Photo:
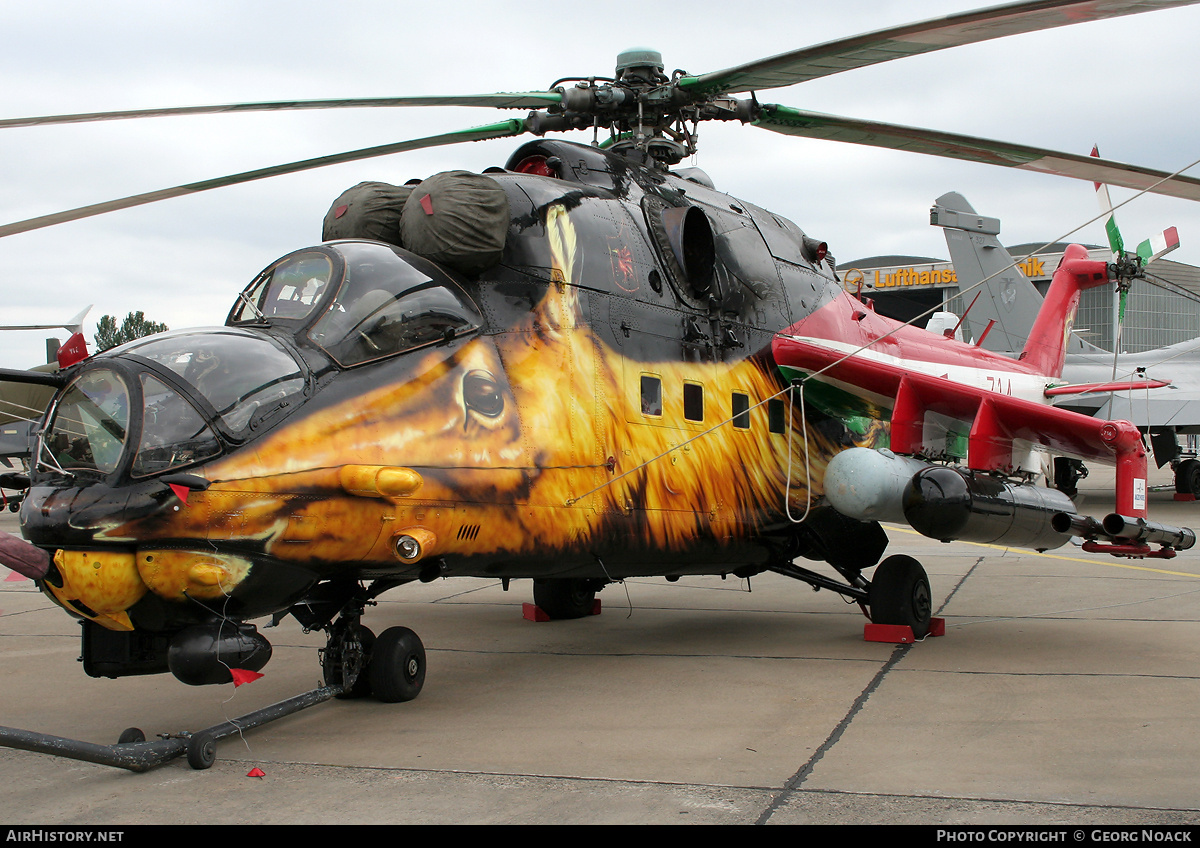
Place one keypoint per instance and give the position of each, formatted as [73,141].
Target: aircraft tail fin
[1007,301]
[1046,348]
[75,350]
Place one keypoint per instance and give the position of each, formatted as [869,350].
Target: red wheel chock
[532,612]
[900,634]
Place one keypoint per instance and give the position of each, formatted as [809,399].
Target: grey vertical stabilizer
[1008,298]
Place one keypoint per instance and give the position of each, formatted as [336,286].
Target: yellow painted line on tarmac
[1023,552]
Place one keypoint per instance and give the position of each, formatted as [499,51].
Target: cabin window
[776,420]
[741,411]
[651,395]
[693,401]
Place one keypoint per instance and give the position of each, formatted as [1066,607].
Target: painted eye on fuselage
[481,394]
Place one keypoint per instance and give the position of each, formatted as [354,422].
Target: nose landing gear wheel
[397,666]
[900,594]
[1187,477]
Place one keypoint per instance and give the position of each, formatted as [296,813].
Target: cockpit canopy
[169,401]
[237,372]
[358,301]
[172,400]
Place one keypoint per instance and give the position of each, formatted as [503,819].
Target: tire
[565,597]
[131,734]
[397,667]
[1187,478]
[201,750]
[900,594]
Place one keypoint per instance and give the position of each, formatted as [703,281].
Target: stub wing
[995,419]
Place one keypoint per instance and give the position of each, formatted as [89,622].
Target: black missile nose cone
[937,503]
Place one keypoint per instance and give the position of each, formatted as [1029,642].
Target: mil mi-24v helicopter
[580,367]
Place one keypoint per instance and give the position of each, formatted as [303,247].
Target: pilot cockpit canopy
[358,301]
[289,289]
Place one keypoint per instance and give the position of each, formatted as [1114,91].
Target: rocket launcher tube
[1149,532]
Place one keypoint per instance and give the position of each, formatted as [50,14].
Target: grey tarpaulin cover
[369,210]
[458,219]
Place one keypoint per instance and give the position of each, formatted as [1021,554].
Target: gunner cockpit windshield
[169,401]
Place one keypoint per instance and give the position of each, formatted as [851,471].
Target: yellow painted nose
[106,582]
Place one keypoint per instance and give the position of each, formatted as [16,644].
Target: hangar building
[1162,311]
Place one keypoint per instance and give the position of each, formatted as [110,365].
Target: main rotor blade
[783,119]
[912,39]
[503,129]
[518,100]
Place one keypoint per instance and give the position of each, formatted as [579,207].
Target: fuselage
[601,402]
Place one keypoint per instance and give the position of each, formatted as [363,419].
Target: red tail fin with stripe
[1047,345]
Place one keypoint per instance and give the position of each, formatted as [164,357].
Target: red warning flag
[75,350]
[181,492]
[241,675]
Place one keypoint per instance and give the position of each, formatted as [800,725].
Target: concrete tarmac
[1065,691]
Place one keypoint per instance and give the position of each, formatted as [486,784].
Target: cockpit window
[173,431]
[90,423]
[238,373]
[387,305]
[288,289]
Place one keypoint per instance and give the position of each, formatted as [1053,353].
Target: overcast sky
[1128,85]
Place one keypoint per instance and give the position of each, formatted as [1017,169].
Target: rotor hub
[640,62]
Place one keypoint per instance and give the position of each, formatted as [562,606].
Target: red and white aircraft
[874,361]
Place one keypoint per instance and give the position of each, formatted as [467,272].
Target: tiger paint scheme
[609,399]
[532,440]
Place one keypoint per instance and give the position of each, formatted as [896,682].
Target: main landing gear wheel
[900,594]
[1187,477]
[565,597]
[397,667]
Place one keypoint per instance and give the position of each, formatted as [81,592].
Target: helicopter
[586,365]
